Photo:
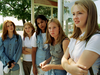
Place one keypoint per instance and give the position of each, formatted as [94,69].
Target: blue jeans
[56,72]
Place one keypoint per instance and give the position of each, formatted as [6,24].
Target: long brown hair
[31,25]
[91,23]
[61,36]
[5,31]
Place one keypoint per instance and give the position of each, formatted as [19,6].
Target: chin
[52,36]
[78,26]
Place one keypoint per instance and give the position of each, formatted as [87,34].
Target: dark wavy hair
[43,18]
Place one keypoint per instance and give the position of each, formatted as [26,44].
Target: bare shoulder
[66,40]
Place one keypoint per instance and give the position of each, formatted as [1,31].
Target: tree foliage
[18,8]
[1,26]
[45,11]
[21,9]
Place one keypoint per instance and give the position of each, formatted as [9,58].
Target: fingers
[40,64]
[44,69]
[12,65]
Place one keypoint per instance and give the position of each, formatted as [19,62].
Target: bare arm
[65,44]
[91,52]
[59,66]
[73,69]
[51,66]
[45,62]
[25,51]
[29,50]
[86,56]
[34,60]
[64,60]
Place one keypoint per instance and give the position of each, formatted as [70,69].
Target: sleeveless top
[56,53]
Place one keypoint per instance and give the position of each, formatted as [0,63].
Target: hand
[42,64]
[47,67]
[70,61]
[35,70]
[12,65]
[77,69]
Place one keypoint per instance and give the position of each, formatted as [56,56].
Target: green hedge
[1,26]
[99,25]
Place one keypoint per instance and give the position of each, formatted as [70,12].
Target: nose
[40,24]
[27,28]
[51,30]
[75,16]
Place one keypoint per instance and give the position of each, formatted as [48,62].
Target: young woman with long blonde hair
[84,48]
[27,48]
[58,42]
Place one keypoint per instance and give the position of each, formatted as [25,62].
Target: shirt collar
[12,36]
[82,34]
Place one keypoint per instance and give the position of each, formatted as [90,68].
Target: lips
[28,31]
[11,29]
[76,22]
[42,27]
[52,33]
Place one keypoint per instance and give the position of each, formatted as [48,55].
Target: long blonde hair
[91,23]
[61,36]
[5,31]
[31,25]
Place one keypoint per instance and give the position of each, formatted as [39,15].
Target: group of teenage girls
[48,51]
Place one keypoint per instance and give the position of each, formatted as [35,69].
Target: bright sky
[12,19]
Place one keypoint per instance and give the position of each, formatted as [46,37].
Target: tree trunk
[23,20]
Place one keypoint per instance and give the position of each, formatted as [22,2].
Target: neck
[10,34]
[43,31]
[55,38]
[82,30]
[55,41]
[29,35]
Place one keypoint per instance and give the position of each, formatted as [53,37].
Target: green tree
[99,25]
[45,11]
[21,9]
[1,26]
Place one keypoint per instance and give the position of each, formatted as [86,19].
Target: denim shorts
[56,72]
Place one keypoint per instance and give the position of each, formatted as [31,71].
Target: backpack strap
[90,69]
